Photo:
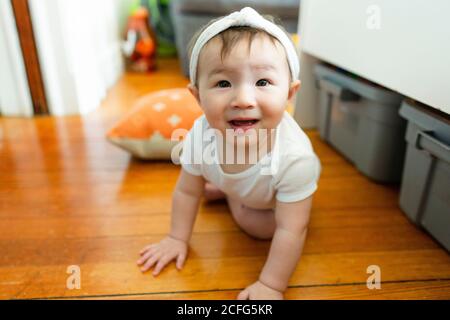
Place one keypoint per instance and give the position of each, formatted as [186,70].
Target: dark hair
[233,35]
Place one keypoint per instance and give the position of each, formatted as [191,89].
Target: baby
[244,69]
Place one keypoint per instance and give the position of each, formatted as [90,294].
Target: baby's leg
[212,192]
[257,223]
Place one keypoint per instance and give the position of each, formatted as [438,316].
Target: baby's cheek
[274,113]
[215,118]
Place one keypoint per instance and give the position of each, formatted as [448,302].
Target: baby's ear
[293,88]
[194,91]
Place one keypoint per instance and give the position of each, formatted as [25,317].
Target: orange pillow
[147,129]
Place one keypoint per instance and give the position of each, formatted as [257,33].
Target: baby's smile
[243,124]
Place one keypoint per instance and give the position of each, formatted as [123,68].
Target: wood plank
[224,273]
[333,193]
[411,290]
[205,242]
[139,217]
[321,239]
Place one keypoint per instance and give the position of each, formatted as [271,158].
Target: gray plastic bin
[425,190]
[361,121]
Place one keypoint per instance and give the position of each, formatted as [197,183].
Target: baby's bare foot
[212,193]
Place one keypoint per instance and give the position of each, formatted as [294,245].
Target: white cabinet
[403,45]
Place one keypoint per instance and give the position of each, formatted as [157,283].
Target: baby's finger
[161,264]
[146,248]
[180,260]
[150,262]
[243,295]
[145,257]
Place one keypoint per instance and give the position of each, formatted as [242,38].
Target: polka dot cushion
[147,129]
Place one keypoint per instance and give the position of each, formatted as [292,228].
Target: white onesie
[288,173]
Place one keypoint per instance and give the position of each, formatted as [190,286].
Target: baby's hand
[259,291]
[162,253]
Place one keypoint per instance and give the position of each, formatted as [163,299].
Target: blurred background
[59,57]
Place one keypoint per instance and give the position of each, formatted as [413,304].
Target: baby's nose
[244,99]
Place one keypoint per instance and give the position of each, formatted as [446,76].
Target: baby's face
[249,90]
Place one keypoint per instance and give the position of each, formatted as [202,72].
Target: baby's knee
[266,235]
[259,225]
[258,230]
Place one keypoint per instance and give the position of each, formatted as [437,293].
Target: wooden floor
[67,197]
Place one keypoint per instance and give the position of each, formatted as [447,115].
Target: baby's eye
[223,84]
[262,83]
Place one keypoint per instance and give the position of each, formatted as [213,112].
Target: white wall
[15,99]
[78,44]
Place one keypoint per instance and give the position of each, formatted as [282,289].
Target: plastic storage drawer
[425,189]
[361,121]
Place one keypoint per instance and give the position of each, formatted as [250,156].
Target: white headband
[250,18]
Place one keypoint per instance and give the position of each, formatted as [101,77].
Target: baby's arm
[287,244]
[185,202]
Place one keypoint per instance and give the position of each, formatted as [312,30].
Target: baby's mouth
[243,124]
